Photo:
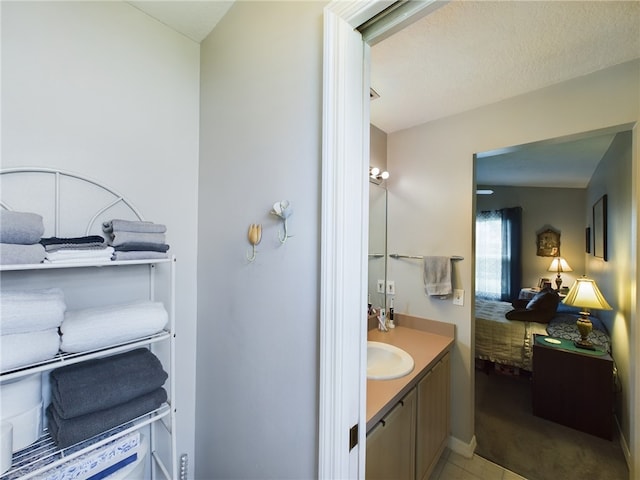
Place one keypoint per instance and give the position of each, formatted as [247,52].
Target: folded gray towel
[120,238]
[24,228]
[117,225]
[437,276]
[138,255]
[69,432]
[105,382]
[15,254]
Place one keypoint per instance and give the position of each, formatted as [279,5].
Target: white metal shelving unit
[43,455]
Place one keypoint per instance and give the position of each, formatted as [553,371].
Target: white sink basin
[385,362]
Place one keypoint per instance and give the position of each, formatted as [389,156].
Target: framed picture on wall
[600,228]
[548,243]
[587,239]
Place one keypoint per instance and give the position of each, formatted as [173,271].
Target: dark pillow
[541,308]
[545,299]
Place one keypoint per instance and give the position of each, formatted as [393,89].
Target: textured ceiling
[194,19]
[472,53]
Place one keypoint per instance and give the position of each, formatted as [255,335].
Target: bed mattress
[503,341]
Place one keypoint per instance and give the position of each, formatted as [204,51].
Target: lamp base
[584,327]
[584,345]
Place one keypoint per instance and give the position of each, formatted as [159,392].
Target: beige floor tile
[479,466]
[452,471]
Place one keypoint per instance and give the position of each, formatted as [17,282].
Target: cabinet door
[433,417]
[391,444]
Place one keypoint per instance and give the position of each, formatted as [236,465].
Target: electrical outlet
[380,287]
[458,297]
[391,287]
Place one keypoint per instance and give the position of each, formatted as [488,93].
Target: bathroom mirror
[377,243]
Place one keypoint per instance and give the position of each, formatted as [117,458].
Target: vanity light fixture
[484,191]
[376,175]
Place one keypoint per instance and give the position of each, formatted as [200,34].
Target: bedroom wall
[560,208]
[260,143]
[103,90]
[613,178]
[432,193]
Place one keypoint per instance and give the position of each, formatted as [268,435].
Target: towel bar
[420,257]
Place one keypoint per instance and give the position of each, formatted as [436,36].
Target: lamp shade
[586,294]
[559,264]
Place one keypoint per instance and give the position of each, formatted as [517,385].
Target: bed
[510,342]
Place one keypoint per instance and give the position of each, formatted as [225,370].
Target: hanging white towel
[437,276]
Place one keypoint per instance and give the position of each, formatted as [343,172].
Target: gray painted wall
[258,323]
[614,277]
[103,90]
[432,192]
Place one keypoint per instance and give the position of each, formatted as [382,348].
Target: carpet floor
[508,434]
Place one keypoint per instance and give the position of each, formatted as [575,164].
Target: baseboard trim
[462,448]
[624,445]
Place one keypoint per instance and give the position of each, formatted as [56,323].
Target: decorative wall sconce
[283,210]
[254,236]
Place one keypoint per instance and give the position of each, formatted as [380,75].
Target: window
[498,259]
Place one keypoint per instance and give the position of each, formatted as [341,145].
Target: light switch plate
[391,287]
[380,286]
[458,297]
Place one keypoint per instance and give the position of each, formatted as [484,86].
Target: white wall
[101,89]
[258,323]
[561,208]
[431,193]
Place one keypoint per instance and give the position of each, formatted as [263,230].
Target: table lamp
[585,294]
[559,265]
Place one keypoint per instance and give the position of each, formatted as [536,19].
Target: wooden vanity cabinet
[391,443]
[408,441]
[433,419]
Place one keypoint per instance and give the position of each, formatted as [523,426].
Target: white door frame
[344,236]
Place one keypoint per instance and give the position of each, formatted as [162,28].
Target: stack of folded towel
[91,397]
[20,233]
[135,239]
[29,322]
[88,249]
[99,327]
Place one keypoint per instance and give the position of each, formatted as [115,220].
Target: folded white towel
[22,349]
[31,310]
[80,255]
[437,276]
[100,327]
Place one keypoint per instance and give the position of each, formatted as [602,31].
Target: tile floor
[453,466]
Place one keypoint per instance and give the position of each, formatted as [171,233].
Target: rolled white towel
[31,310]
[22,349]
[99,327]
